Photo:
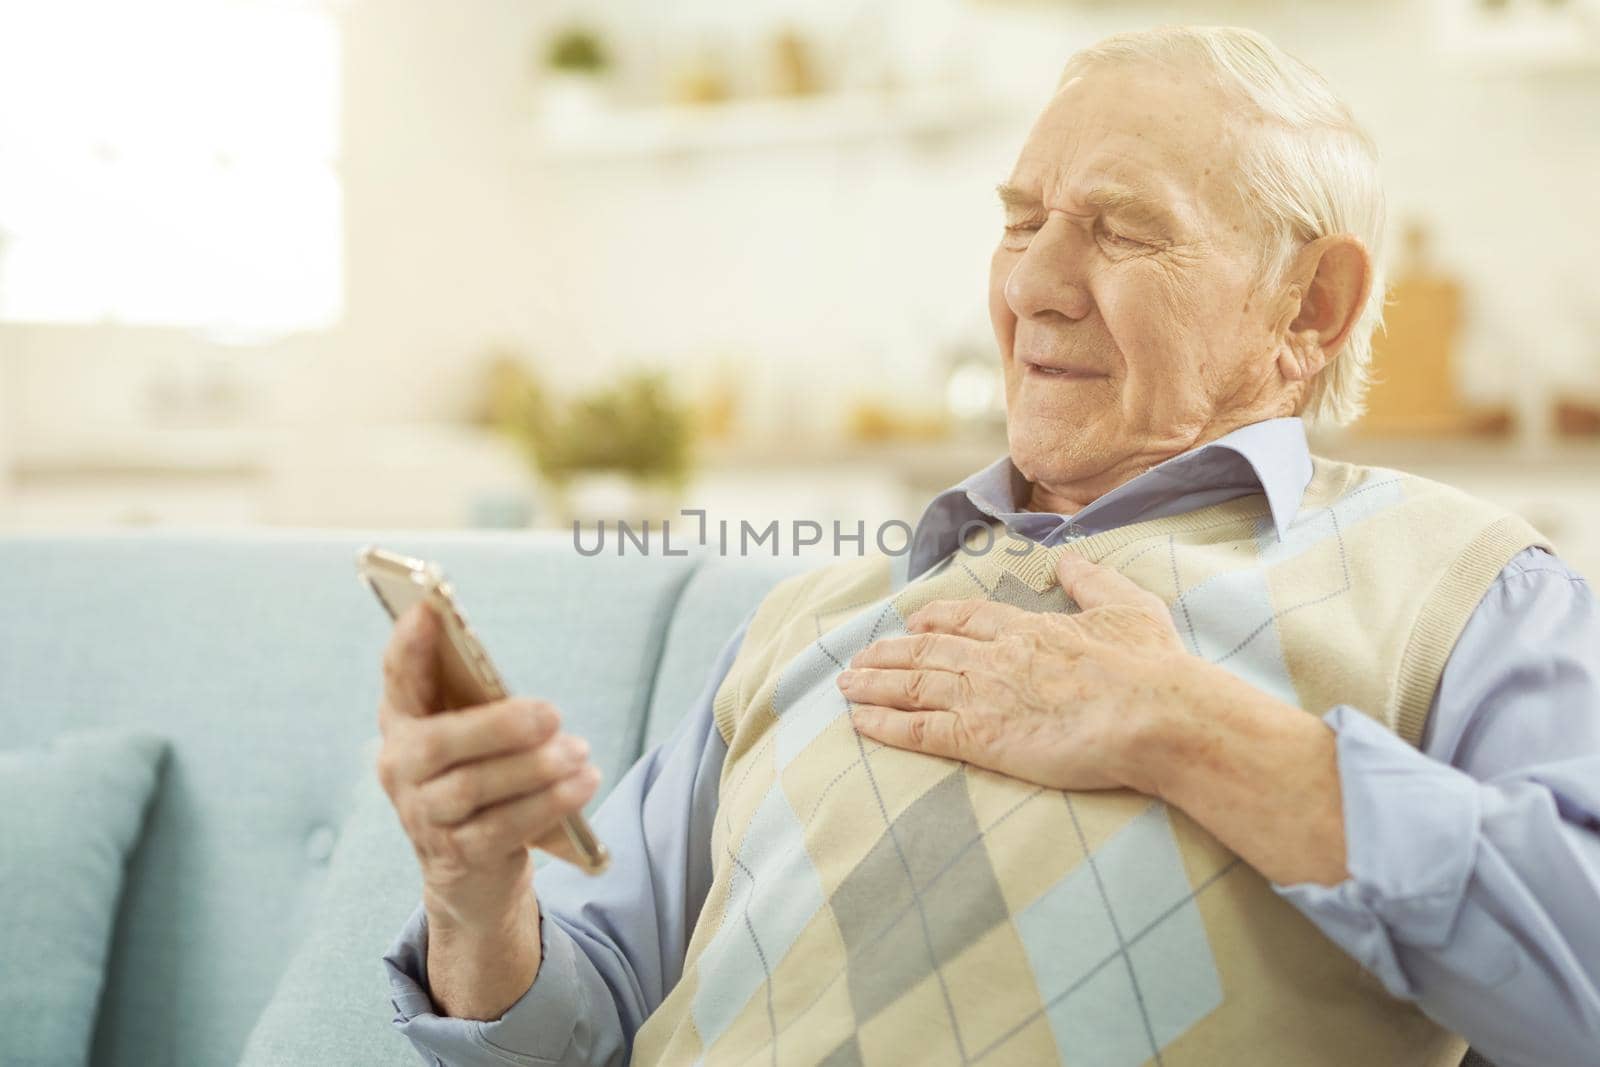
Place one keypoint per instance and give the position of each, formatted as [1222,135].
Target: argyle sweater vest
[877,906]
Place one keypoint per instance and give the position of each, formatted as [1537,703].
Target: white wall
[822,273]
[437,218]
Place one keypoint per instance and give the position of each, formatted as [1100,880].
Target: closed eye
[1121,240]
[1018,234]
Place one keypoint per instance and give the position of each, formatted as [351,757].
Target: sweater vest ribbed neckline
[1035,564]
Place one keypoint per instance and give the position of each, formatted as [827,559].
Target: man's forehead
[1152,99]
[1123,139]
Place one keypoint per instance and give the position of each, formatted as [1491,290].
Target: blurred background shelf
[439,475]
[927,117]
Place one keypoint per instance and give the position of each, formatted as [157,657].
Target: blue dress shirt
[1474,885]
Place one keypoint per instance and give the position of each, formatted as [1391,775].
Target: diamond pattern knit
[874,906]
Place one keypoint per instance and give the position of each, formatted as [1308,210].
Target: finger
[910,689]
[938,733]
[1095,586]
[459,793]
[433,745]
[511,824]
[411,663]
[981,620]
[923,651]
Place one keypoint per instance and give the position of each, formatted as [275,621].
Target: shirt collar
[1269,457]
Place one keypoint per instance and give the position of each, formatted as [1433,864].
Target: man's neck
[1071,497]
[1050,502]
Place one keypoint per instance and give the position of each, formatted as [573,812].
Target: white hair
[1307,169]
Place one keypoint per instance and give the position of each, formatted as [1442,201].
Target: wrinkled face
[1121,292]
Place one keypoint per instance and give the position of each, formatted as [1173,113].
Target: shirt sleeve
[613,944]
[1475,862]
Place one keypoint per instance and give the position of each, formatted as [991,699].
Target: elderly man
[1046,789]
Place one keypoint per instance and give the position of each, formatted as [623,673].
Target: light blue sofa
[257,656]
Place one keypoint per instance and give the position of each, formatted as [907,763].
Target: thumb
[411,662]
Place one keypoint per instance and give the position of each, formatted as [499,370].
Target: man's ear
[1332,277]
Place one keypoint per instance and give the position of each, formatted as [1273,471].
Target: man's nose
[1049,279]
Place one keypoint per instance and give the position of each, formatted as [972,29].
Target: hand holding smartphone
[466,675]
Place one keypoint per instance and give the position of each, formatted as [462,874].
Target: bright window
[170,163]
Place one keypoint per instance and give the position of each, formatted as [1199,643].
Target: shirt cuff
[538,1028]
[1411,829]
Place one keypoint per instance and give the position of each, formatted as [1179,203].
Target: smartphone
[467,676]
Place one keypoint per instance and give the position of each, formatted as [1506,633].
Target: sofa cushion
[70,812]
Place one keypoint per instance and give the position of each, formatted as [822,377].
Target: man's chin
[1059,448]
[1056,424]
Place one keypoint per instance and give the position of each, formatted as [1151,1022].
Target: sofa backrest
[716,601]
[257,655]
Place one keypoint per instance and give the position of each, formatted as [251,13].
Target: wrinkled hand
[474,787]
[1066,701]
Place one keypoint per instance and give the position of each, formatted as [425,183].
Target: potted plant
[576,75]
[619,453]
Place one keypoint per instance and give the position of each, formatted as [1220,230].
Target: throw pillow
[70,813]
